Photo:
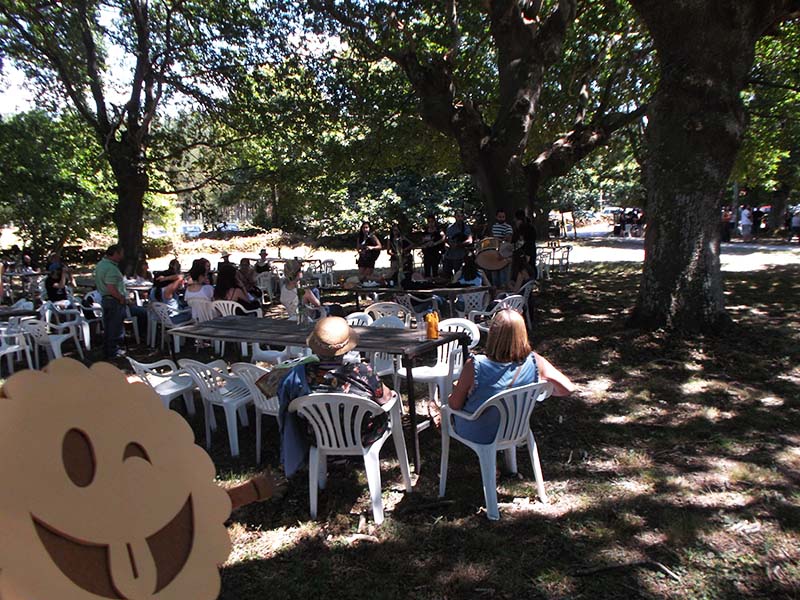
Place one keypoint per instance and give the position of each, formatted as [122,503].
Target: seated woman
[166,287]
[469,275]
[509,362]
[199,286]
[229,287]
[247,277]
[290,297]
[521,271]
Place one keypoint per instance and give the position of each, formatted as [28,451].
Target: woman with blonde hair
[509,362]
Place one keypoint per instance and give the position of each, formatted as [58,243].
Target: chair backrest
[515,407]
[458,325]
[388,309]
[38,330]
[474,301]
[264,280]
[206,376]
[515,302]
[390,322]
[359,319]
[525,291]
[327,265]
[228,307]
[95,296]
[202,310]
[336,419]
[161,312]
[249,374]
[384,360]
[147,374]
[405,300]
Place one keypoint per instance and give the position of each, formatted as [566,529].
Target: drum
[506,250]
[491,260]
[489,243]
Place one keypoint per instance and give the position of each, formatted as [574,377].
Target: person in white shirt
[746,223]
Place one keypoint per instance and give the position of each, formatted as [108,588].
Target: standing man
[504,232]
[109,282]
[746,223]
[459,236]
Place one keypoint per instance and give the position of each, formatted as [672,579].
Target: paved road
[595,245]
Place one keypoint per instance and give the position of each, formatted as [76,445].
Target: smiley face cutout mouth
[87,564]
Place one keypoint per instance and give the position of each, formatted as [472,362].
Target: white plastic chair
[265,282]
[249,374]
[484,318]
[515,407]
[525,291]
[336,420]
[359,319]
[389,309]
[327,272]
[230,307]
[167,381]
[39,333]
[218,388]
[407,300]
[449,361]
[13,343]
[68,321]
[543,258]
[160,316]
[473,301]
[384,363]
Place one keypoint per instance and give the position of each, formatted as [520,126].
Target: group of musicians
[445,249]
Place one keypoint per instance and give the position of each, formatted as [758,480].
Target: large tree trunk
[696,123]
[132,180]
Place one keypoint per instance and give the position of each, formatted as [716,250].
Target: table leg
[412,410]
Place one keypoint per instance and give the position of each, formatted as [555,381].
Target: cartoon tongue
[133,569]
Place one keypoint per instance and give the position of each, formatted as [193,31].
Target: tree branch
[569,149]
[95,81]
[773,84]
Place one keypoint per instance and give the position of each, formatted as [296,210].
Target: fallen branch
[650,564]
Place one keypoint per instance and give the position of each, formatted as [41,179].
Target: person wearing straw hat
[331,339]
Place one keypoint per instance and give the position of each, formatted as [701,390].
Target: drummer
[504,232]
[459,238]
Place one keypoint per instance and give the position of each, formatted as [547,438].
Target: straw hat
[225,254]
[332,336]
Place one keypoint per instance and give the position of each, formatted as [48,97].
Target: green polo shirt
[107,274]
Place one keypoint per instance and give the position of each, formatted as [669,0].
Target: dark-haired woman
[229,287]
[369,248]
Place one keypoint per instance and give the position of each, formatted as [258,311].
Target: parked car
[156,232]
[191,231]
[229,227]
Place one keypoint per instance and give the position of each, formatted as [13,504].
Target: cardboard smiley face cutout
[104,493]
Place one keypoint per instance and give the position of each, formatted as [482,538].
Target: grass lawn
[672,474]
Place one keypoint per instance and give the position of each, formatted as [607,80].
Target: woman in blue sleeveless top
[508,362]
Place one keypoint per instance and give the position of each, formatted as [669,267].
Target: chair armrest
[254,311]
[151,367]
[390,404]
[478,313]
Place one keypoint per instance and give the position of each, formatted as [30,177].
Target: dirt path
[735,257]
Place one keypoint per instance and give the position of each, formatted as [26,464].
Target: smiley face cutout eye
[77,454]
[134,449]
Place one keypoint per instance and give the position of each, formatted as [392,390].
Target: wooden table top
[242,328]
